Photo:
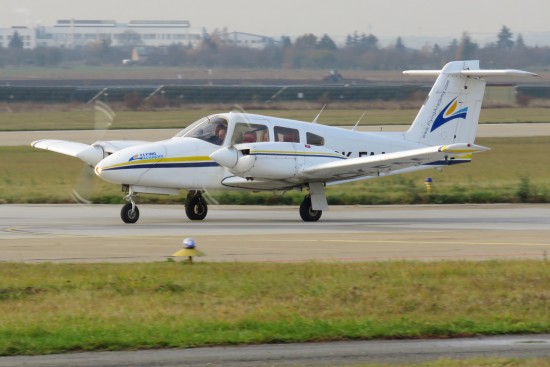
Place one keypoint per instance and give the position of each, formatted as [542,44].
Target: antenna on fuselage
[319,114]
[358,121]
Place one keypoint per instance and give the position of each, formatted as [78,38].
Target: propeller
[103,120]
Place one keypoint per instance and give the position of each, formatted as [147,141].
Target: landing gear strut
[307,213]
[195,206]
[130,211]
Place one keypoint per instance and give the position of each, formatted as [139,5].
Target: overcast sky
[386,19]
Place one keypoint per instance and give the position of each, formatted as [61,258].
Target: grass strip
[85,118]
[515,170]
[50,308]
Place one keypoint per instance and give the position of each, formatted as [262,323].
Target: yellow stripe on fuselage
[161,160]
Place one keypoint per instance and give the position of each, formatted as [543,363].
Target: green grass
[514,170]
[84,118]
[48,308]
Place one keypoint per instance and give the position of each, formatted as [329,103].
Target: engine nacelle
[275,161]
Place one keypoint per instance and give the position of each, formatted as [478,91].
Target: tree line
[360,51]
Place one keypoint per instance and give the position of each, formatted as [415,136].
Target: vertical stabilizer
[450,114]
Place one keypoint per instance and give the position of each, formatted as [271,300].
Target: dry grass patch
[21,117]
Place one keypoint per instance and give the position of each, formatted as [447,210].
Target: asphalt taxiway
[95,233]
[304,354]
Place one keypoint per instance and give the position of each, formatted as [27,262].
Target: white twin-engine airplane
[238,151]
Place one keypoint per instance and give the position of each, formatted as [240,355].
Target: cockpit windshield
[212,129]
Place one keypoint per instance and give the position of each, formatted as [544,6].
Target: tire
[196,208]
[307,213]
[128,215]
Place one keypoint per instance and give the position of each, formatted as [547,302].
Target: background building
[26,35]
[249,40]
[77,33]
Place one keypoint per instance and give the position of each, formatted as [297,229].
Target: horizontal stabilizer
[476,73]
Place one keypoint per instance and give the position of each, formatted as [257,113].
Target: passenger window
[286,134]
[249,133]
[315,139]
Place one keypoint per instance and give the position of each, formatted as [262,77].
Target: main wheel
[307,213]
[128,215]
[195,207]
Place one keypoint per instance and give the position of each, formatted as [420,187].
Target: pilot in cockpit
[219,137]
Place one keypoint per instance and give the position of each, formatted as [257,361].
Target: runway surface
[304,354]
[15,138]
[95,233]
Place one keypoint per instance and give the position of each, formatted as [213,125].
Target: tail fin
[450,114]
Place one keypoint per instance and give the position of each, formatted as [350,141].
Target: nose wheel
[130,211]
[129,214]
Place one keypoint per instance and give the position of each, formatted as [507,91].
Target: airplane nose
[114,169]
[128,165]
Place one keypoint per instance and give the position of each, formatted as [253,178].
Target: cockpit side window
[249,133]
[190,127]
[314,139]
[212,130]
[286,134]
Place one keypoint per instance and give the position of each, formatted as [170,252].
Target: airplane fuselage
[184,162]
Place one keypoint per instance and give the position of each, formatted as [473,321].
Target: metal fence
[210,93]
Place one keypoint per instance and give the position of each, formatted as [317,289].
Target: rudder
[451,111]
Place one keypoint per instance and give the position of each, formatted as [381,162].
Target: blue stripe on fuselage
[166,165]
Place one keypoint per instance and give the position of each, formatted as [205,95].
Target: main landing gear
[306,211]
[195,206]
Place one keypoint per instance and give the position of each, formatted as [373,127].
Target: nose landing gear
[130,211]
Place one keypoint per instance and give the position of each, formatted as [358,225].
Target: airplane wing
[383,164]
[90,154]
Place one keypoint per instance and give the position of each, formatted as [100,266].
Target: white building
[77,33]
[246,40]
[74,33]
[26,35]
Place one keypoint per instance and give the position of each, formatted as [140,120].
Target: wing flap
[386,163]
